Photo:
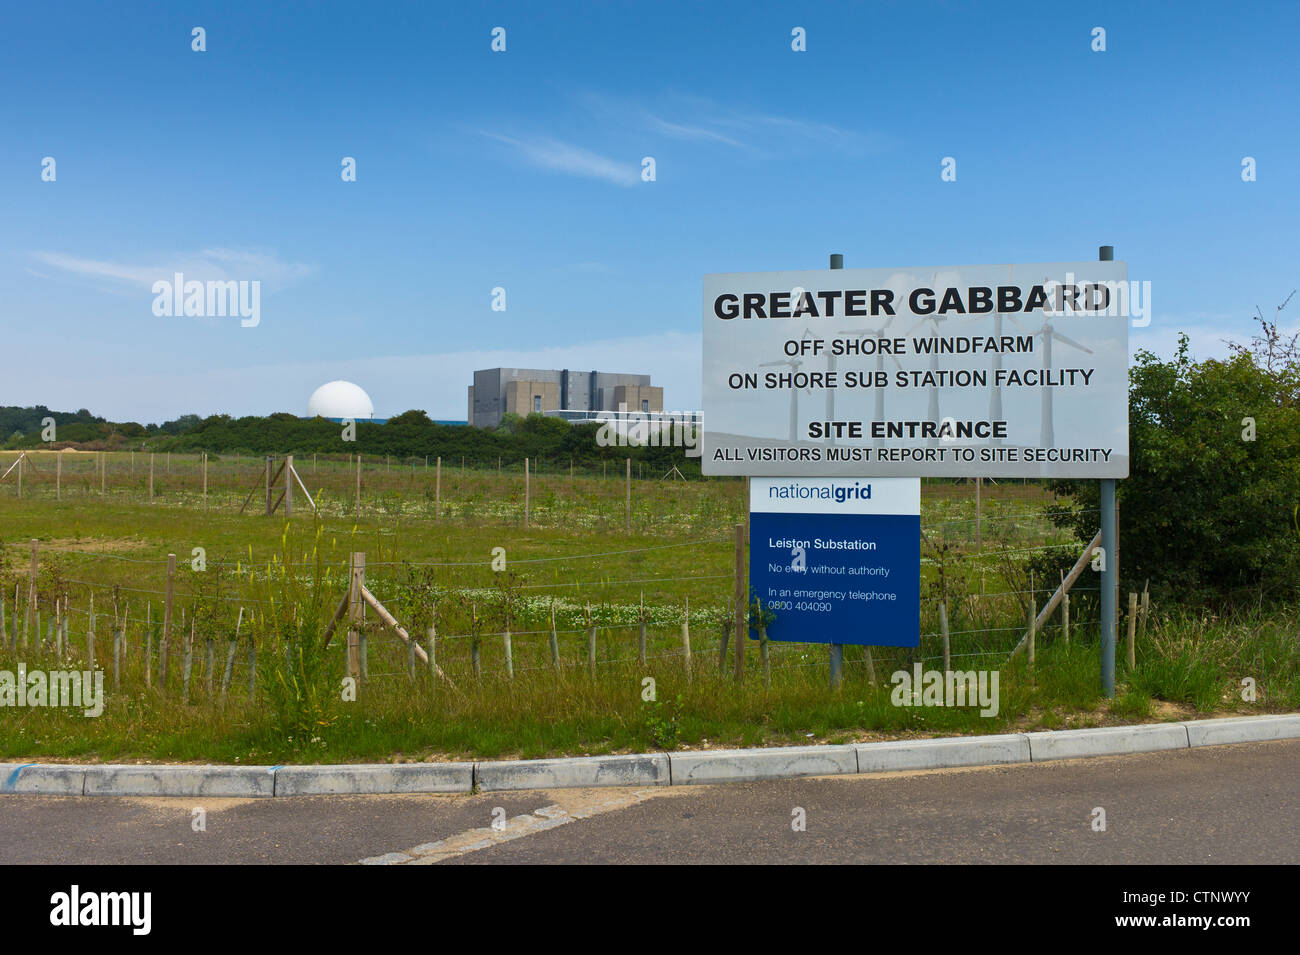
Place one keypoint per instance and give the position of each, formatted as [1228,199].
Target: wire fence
[600,620]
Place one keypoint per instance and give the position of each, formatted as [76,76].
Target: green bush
[1208,511]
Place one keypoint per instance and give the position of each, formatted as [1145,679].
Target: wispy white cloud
[690,132]
[700,119]
[557,156]
[212,264]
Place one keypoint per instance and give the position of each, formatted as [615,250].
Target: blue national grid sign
[837,560]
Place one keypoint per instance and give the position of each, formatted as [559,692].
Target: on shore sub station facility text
[836,390]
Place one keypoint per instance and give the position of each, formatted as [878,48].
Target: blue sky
[521,170]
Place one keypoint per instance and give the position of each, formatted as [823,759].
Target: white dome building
[340,399]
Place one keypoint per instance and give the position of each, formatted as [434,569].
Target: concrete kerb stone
[1106,741]
[686,768]
[745,765]
[137,780]
[43,779]
[1242,729]
[901,755]
[644,769]
[369,779]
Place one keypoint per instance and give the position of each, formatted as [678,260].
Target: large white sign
[984,370]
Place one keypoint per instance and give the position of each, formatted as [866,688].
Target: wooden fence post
[288,486]
[169,598]
[119,635]
[686,638]
[437,491]
[357,581]
[31,597]
[764,653]
[358,506]
[527,494]
[979,486]
[150,477]
[58,474]
[627,503]
[554,640]
[268,485]
[1065,611]
[205,480]
[1033,615]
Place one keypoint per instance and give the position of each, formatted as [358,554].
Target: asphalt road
[1227,805]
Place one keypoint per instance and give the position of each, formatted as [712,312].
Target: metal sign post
[837,649]
[1108,569]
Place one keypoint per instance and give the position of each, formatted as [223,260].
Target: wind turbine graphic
[933,411]
[879,333]
[995,393]
[794,364]
[1048,333]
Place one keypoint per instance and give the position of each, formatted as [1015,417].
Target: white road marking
[573,805]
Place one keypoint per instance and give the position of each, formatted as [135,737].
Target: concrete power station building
[572,395]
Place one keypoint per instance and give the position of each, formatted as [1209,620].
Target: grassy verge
[576,558]
[1186,669]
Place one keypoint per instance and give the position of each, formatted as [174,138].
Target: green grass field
[429,551]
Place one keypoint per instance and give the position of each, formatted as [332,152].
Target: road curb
[902,755]
[644,769]
[1243,729]
[134,780]
[1107,741]
[748,765]
[373,779]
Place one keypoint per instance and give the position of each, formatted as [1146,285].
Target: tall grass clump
[289,625]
